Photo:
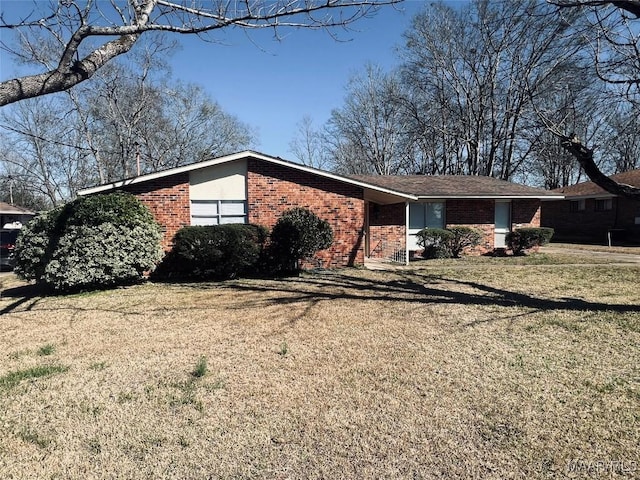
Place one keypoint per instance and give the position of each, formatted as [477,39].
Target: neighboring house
[590,214]
[12,216]
[372,216]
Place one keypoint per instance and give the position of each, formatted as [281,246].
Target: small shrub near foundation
[435,242]
[463,237]
[523,239]
[298,235]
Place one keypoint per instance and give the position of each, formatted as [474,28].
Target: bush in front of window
[297,235]
[93,242]
[214,252]
[523,239]
[435,242]
[463,237]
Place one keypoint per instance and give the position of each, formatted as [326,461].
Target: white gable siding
[227,181]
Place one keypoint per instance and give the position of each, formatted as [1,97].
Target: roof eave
[240,156]
[585,196]
[491,197]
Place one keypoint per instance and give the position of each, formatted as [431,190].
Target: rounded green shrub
[463,237]
[298,235]
[33,244]
[523,239]
[435,242]
[92,242]
[214,252]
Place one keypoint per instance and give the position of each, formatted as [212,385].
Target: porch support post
[406,233]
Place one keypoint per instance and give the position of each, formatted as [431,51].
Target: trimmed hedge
[447,242]
[215,252]
[463,237]
[435,242]
[93,242]
[523,239]
[298,235]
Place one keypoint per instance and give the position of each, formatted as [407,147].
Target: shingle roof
[407,187]
[443,186]
[584,189]
[8,209]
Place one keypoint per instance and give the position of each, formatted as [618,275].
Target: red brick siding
[168,200]
[525,213]
[479,214]
[272,189]
[387,231]
[590,225]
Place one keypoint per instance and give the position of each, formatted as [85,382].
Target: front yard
[494,371]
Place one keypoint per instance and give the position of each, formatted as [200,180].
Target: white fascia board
[164,173]
[491,197]
[593,195]
[239,156]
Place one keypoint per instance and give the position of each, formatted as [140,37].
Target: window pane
[225,220]
[204,208]
[204,221]
[416,216]
[232,207]
[435,215]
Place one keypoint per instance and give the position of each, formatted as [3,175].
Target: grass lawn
[496,371]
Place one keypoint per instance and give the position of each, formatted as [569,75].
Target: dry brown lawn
[503,371]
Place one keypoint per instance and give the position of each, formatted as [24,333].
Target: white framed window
[218,212]
[577,205]
[421,215]
[603,204]
[429,214]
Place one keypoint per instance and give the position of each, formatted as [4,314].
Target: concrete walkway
[612,256]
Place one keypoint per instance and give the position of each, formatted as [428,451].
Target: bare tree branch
[584,156]
[77,25]
[631,6]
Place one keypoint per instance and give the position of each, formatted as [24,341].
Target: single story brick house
[13,215]
[590,214]
[371,216]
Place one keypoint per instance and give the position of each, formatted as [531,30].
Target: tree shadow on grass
[23,295]
[309,290]
[406,287]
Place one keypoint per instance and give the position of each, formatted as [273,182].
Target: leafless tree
[367,135]
[473,73]
[614,33]
[96,132]
[308,145]
[46,161]
[87,34]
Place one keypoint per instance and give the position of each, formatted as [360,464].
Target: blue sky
[271,84]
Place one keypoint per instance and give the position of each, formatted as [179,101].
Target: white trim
[238,156]
[506,198]
[406,233]
[587,197]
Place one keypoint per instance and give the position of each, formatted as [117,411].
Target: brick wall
[168,200]
[272,189]
[525,213]
[478,213]
[589,225]
[387,231]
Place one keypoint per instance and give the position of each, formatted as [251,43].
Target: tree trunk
[584,156]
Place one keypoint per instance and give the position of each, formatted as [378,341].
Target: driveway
[611,256]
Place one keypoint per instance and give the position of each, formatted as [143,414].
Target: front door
[502,223]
